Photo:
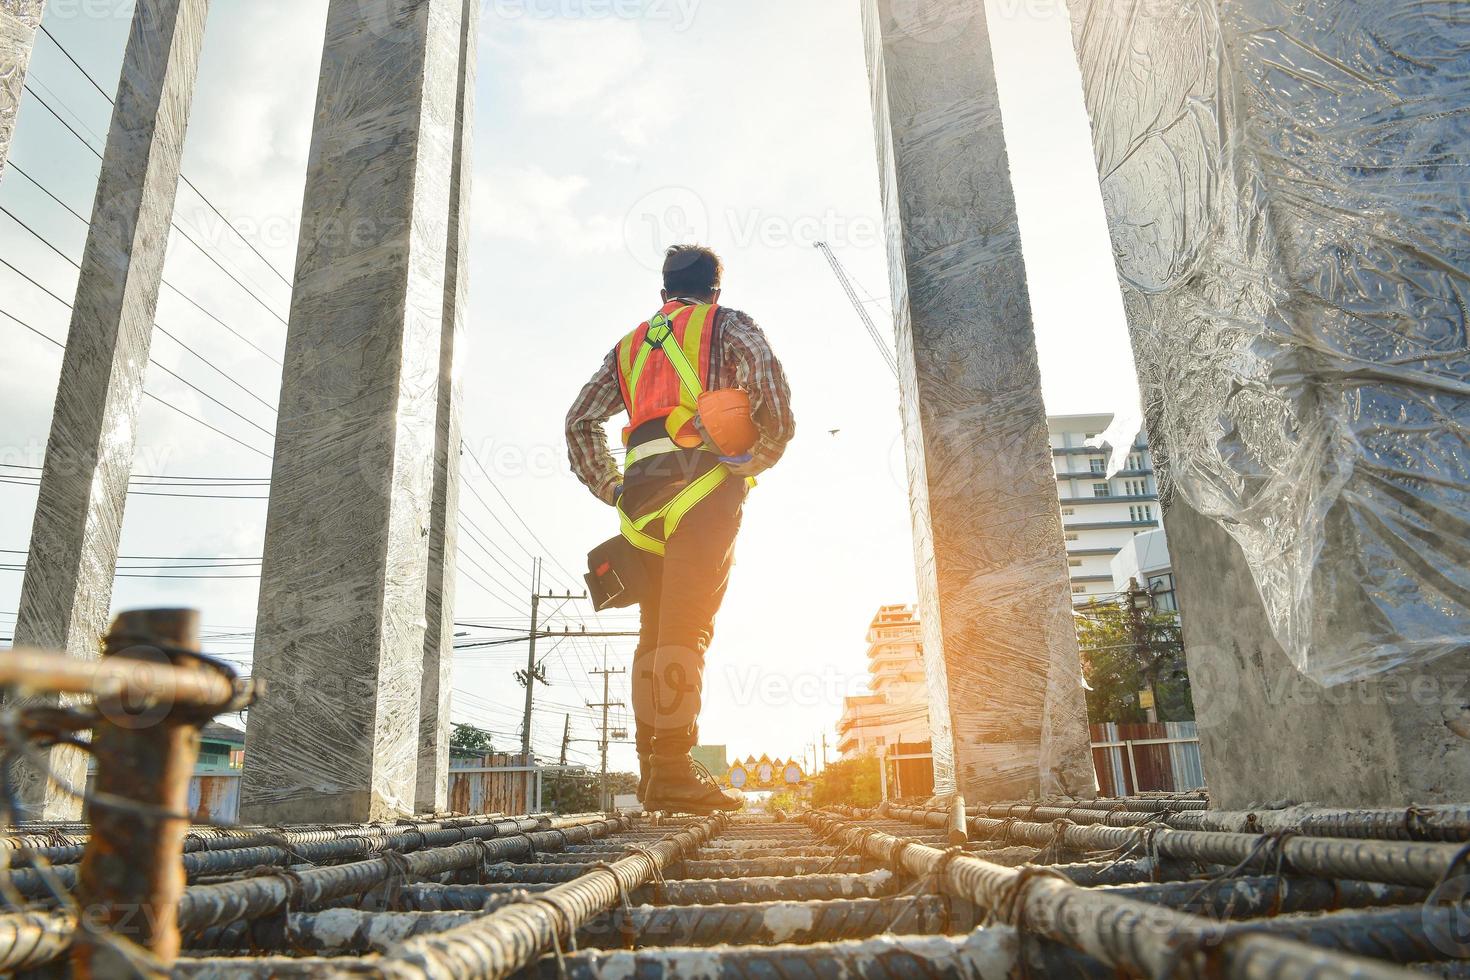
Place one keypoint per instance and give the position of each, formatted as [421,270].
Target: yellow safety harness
[660,331]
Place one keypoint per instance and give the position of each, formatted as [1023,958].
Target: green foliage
[577,792]
[856,782]
[784,800]
[471,739]
[1123,655]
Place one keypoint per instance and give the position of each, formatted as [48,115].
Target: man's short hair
[692,270]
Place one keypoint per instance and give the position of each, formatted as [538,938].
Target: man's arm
[600,399]
[757,370]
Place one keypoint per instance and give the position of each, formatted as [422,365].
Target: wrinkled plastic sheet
[1007,712]
[1287,185]
[340,632]
[18,22]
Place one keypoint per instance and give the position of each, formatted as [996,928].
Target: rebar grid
[383,900]
[1155,886]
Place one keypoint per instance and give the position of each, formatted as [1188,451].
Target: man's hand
[741,466]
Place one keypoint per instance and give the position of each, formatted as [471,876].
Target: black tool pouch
[617,574]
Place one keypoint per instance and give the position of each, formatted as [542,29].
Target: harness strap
[647,450]
[660,332]
[672,513]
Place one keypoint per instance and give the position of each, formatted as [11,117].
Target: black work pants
[678,620]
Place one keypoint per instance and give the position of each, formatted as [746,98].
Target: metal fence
[1147,757]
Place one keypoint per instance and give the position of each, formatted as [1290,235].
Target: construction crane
[884,349]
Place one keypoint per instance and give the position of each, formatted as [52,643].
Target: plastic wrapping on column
[1006,707]
[1286,183]
[340,633]
[18,22]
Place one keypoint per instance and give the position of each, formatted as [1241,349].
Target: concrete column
[89,456]
[1006,705]
[18,22]
[1289,226]
[340,630]
[432,795]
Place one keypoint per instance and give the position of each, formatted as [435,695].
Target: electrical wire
[176,226]
[215,367]
[149,394]
[112,101]
[176,290]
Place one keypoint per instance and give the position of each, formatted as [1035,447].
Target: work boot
[645,770]
[681,785]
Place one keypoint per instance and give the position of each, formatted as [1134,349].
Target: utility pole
[1140,605]
[566,739]
[532,671]
[824,750]
[606,675]
[531,658]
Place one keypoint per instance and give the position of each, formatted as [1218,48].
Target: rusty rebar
[146,743]
[348,931]
[509,939]
[1123,933]
[689,869]
[211,905]
[1443,823]
[809,888]
[30,670]
[1391,862]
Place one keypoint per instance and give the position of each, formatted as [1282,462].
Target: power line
[151,361]
[230,558]
[165,404]
[112,101]
[85,73]
[170,336]
[170,479]
[24,482]
[542,544]
[214,367]
[177,291]
[175,225]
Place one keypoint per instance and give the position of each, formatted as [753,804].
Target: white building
[897,710]
[1146,560]
[1100,515]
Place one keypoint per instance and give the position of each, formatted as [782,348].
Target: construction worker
[684,378]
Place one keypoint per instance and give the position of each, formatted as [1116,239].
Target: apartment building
[897,709]
[1100,514]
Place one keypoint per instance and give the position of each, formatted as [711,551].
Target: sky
[605,131]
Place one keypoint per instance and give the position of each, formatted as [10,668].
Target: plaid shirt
[742,358]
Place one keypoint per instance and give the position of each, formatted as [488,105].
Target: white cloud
[528,204]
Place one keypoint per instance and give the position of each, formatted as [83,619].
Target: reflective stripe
[682,356]
[689,356]
[679,358]
[672,513]
[656,447]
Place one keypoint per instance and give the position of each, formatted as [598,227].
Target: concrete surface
[1284,185]
[432,794]
[18,22]
[340,631]
[89,455]
[1007,710]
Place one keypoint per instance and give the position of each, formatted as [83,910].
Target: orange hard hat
[725,416]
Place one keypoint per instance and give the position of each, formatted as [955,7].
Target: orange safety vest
[663,367]
[653,387]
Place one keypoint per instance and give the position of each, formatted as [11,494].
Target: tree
[468,738]
[856,782]
[576,792]
[1125,652]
